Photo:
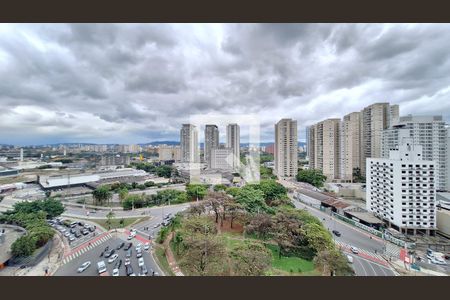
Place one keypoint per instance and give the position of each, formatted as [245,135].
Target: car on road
[156,225]
[350,259]
[128,246]
[118,264]
[115,272]
[354,250]
[85,232]
[129,252]
[113,258]
[147,246]
[84,266]
[109,253]
[336,233]
[120,246]
[127,261]
[140,262]
[130,237]
[101,267]
[143,270]
[138,253]
[129,270]
[138,247]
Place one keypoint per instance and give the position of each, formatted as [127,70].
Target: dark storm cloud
[139,82]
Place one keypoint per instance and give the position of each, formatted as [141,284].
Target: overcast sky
[131,83]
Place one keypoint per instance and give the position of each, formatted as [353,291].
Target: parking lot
[97,254]
[75,232]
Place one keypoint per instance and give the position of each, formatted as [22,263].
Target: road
[70,268]
[156,216]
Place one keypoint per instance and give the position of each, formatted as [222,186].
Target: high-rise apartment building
[375,118]
[325,148]
[222,159]
[286,148]
[189,144]
[169,153]
[234,143]
[401,189]
[211,142]
[350,145]
[307,142]
[431,133]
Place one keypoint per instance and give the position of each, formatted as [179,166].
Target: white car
[71,238]
[130,237]
[84,266]
[140,262]
[115,272]
[138,247]
[156,225]
[67,234]
[354,250]
[147,246]
[127,261]
[113,258]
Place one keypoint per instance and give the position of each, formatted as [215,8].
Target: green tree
[23,246]
[312,176]
[357,176]
[164,171]
[272,190]
[123,194]
[52,207]
[252,200]
[250,259]
[195,191]
[102,194]
[220,187]
[332,262]
[318,237]
[109,218]
[170,196]
[233,191]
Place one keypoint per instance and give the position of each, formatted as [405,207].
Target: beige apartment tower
[325,147]
[375,118]
[286,148]
[234,143]
[350,147]
[189,144]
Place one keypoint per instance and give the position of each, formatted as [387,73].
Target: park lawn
[231,239]
[163,263]
[290,265]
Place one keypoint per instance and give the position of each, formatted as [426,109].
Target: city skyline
[88,83]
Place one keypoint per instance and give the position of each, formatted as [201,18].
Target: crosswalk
[86,248]
[364,253]
[392,250]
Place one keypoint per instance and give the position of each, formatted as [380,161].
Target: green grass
[162,260]
[115,223]
[290,265]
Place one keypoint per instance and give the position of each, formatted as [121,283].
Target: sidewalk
[171,257]
[51,262]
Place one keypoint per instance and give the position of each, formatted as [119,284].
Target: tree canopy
[312,176]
